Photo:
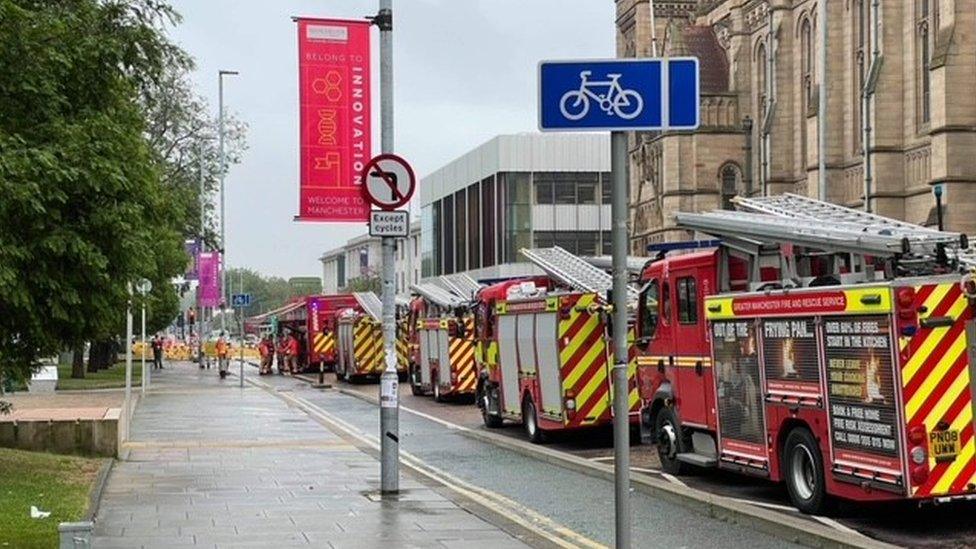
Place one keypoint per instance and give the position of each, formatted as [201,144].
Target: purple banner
[192,249]
[208,264]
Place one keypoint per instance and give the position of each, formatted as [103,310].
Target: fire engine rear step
[698,460]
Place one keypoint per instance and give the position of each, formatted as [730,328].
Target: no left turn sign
[389,181]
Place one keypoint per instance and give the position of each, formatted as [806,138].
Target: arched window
[923,52]
[862,41]
[761,97]
[807,61]
[730,179]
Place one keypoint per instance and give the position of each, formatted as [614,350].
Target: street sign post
[389,181]
[395,223]
[619,95]
[239,301]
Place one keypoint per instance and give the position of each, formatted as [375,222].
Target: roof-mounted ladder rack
[371,304]
[438,296]
[573,271]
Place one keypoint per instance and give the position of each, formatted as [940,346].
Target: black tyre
[402,376]
[670,441]
[486,398]
[530,421]
[438,397]
[804,472]
[415,387]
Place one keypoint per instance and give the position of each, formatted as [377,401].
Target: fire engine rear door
[443,356]
[508,363]
[425,335]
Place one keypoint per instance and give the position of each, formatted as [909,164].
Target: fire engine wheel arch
[803,471]
[415,386]
[648,415]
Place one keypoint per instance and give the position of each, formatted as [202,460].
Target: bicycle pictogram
[625,103]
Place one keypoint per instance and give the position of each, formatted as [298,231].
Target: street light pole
[128,360]
[144,346]
[389,401]
[621,409]
[223,170]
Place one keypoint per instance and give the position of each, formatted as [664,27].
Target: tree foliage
[96,125]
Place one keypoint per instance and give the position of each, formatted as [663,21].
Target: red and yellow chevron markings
[584,358]
[367,347]
[402,350]
[936,385]
[324,343]
[633,395]
[461,354]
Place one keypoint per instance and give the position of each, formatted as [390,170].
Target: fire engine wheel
[491,420]
[530,420]
[804,472]
[670,441]
[438,397]
[415,387]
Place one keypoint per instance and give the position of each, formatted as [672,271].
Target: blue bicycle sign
[616,100]
[619,94]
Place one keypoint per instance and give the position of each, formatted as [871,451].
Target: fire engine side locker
[549,371]
[508,362]
[425,356]
[443,355]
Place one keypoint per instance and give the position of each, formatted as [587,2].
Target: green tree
[85,207]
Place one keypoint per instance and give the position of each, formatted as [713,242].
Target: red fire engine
[442,326]
[816,345]
[313,320]
[543,351]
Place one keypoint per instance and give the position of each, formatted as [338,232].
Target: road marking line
[603,458]
[674,480]
[775,506]
[513,511]
[646,470]
[836,525]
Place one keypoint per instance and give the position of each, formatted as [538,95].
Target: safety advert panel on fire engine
[740,407]
[791,357]
[860,386]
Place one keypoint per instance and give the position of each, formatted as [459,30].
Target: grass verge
[110,378]
[59,484]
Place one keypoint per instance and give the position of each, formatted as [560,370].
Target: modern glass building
[513,192]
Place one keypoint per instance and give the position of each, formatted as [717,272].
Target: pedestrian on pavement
[292,354]
[223,355]
[264,349]
[157,347]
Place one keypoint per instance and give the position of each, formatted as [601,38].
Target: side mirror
[643,342]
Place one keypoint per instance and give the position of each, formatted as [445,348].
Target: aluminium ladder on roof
[635,264]
[370,303]
[462,284]
[574,271]
[802,208]
[437,295]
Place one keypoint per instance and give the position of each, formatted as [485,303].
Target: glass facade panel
[518,213]
[461,232]
[341,271]
[447,238]
[543,190]
[489,222]
[474,226]
[435,243]
[606,188]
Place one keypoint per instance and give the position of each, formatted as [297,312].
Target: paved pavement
[213,465]
[579,502]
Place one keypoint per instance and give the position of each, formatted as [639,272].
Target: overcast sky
[465,71]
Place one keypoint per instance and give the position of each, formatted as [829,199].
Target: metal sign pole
[621,408]
[240,312]
[144,377]
[389,403]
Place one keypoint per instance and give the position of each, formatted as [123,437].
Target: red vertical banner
[208,264]
[334,110]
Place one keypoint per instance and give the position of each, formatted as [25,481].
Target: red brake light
[906,297]
[917,435]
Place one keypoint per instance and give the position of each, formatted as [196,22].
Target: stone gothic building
[901,79]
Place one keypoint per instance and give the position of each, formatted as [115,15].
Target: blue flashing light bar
[690,245]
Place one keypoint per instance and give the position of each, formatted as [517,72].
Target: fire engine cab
[824,347]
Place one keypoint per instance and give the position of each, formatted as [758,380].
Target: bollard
[76,535]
